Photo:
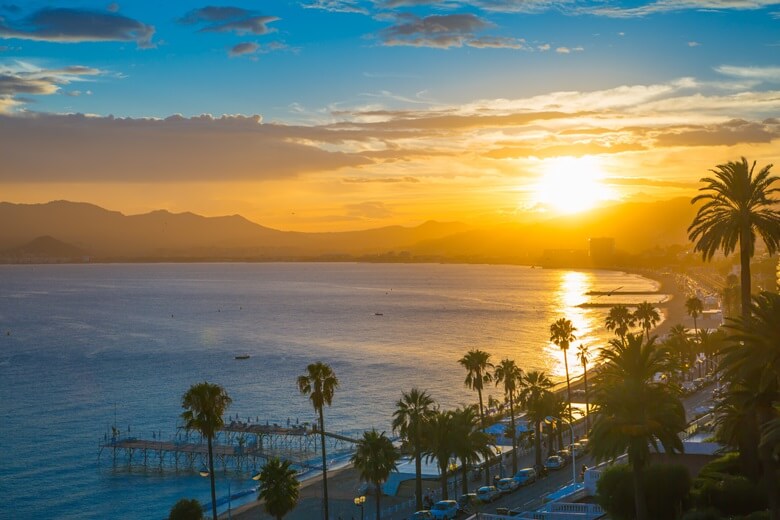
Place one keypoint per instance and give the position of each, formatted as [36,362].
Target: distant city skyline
[348,114]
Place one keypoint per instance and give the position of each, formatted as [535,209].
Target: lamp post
[551,420]
[500,462]
[205,473]
[359,501]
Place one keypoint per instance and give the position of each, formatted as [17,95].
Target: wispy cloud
[768,74]
[243,48]
[665,6]
[228,19]
[23,79]
[337,6]
[78,25]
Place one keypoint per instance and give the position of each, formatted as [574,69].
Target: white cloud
[768,74]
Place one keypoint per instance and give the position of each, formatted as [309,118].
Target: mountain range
[74,229]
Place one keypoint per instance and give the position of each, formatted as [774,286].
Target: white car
[488,494]
[525,476]
[445,509]
[554,462]
[507,485]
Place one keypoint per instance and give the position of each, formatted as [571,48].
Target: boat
[242,356]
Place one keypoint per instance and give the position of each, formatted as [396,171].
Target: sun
[571,185]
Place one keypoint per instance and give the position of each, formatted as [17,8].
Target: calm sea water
[82,346]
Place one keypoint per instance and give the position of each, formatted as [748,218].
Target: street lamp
[204,472]
[550,420]
[359,501]
[500,462]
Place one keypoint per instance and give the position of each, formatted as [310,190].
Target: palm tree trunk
[568,383]
[640,500]
[538,443]
[482,420]
[587,406]
[417,472]
[443,482]
[744,259]
[211,478]
[378,496]
[324,468]
[514,433]
[464,471]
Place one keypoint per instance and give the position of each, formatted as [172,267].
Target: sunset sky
[319,115]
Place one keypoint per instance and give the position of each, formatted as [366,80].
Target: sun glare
[571,184]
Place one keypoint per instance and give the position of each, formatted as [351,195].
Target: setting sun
[571,184]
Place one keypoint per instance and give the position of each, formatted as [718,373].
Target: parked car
[525,476]
[421,515]
[444,510]
[565,454]
[507,485]
[584,443]
[488,493]
[577,449]
[467,501]
[554,462]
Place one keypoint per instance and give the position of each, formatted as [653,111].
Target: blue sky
[395,72]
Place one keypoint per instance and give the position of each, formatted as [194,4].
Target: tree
[647,316]
[470,443]
[620,319]
[411,412]
[753,359]
[477,364]
[737,206]
[583,356]
[694,307]
[320,383]
[374,458]
[439,444]
[205,404]
[635,411]
[562,334]
[535,385]
[186,509]
[279,487]
[679,345]
[509,373]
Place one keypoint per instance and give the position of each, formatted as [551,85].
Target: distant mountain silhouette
[45,247]
[160,235]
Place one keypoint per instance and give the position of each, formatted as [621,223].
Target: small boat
[242,356]
[378,314]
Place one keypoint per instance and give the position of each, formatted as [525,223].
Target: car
[466,501]
[525,476]
[565,454]
[554,462]
[577,449]
[444,510]
[421,515]
[507,485]
[584,443]
[488,493]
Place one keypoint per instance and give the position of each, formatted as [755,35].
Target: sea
[87,347]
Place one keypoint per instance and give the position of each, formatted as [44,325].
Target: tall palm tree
[635,411]
[471,444]
[647,316]
[694,307]
[562,334]
[583,356]
[477,364]
[439,444]
[679,345]
[204,405]
[738,205]
[320,383]
[374,458]
[279,487]
[411,412]
[535,385]
[620,319]
[754,359]
[509,373]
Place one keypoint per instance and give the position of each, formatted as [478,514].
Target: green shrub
[733,495]
[667,488]
[615,492]
[186,509]
[698,514]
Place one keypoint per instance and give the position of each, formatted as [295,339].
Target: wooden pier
[239,446]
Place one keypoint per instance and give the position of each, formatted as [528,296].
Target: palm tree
[509,373]
[620,319]
[477,364]
[680,348]
[471,444]
[753,358]
[737,207]
[534,386]
[562,334]
[279,487]
[320,383]
[635,411]
[205,404]
[411,412]
[439,444]
[374,458]
[694,306]
[583,356]
[647,316]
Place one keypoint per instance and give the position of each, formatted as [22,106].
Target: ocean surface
[85,347]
